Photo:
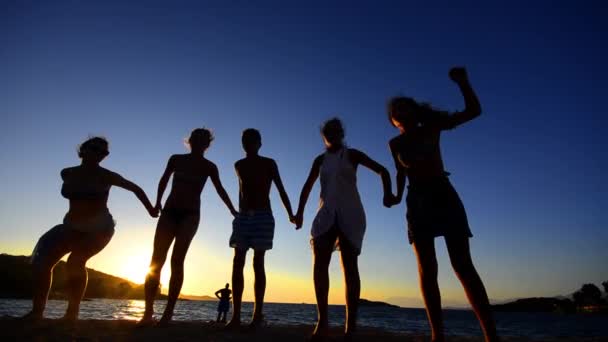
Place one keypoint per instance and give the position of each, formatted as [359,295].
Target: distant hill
[17,282]
[369,303]
[538,304]
[203,298]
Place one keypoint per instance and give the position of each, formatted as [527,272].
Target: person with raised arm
[180,218]
[87,227]
[433,206]
[340,221]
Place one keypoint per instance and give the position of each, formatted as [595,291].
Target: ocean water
[457,322]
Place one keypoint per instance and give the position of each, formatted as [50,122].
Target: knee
[238,263]
[321,264]
[463,268]
[177,266]
[427,270]
[258,263]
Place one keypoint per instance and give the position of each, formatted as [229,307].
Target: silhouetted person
[224,305]
[87,227]
[433,206]
[254,225]
[180,217]
[340,220]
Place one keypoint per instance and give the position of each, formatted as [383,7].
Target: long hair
[406,109]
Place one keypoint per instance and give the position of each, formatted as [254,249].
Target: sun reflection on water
[130,310]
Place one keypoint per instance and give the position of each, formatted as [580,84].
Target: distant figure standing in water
[87,227]
[253,227]
[433,206]
[180,217]
[340,220]
[224,305]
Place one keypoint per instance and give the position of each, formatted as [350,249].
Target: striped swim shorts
[253,230]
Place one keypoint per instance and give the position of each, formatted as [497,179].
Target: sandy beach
[12,329]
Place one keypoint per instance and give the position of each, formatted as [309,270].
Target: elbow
[476,111]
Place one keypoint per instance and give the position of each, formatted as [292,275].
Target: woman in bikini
[433,206]
[87,227]
[340,220]
[180,217]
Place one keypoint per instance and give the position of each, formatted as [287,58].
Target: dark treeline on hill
[17,282]
[588,299]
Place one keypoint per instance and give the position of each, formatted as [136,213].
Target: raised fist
[459,75]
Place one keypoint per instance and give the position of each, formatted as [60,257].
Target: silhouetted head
[332,132]
[227,285]
[252,140]
[199,140]
[93,150]
[406,113]
[403,112]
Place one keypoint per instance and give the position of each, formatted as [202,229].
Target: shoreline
[14,329]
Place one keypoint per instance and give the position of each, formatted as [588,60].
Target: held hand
[234,213]
[388,200]
[459,75]
[153,211]
[298,220]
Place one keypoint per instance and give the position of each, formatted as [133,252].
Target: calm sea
[457,322]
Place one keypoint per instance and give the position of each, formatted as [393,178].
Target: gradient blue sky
[144,74]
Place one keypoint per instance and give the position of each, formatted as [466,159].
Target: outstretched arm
[119,181]
[164,180]
[363,159]
[310,181]
[276,178]
[215,178]
[472,107]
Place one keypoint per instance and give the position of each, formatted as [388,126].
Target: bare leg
[259,287]
[43,275]
[163,237]
[238,263]
[460,256]
[77,272]
[427,270]
[323,248]
[77,283]
[182,243]
[352,283]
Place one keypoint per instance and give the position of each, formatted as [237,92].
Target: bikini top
[84,191]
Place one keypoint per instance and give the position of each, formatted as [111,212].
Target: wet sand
[12,329]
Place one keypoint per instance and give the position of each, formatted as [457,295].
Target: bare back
[190,174]
[255,178]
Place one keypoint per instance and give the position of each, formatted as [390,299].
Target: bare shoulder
[239,163]
[395,141]
[109,176]
[210,165]
[356,156]
[269,161]
[318,160]
[67,172]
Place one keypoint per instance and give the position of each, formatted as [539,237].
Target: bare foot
[145,322]
[32,317]
[69,318]
[234,324]
[320,333]
[164,322]
[257,322]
